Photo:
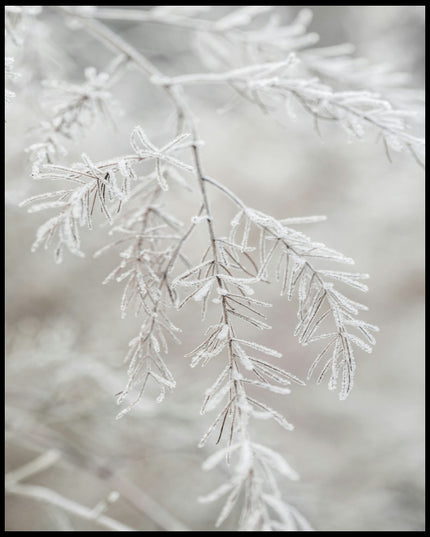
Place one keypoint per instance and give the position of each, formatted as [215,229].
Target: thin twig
[46,495]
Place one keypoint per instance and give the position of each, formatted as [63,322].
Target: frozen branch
[271,65]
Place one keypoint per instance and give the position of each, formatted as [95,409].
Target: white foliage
[271,64]
[76,110]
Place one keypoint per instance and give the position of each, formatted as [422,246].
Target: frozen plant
[275,66]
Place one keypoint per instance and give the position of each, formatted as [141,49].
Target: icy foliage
[317,297]
[152,241]
[283,68]
[76,109]
[108,183]
[273,65]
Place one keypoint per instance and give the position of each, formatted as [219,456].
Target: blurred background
[361,461]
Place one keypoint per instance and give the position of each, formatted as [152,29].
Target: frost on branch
[94,183]
[106,183]
[76,110]
[277,86]
[292,254]
[145,149]
[275,66]
[150,239]
[226,273]
[253,482]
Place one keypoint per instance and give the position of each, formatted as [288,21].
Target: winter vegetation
[120,157]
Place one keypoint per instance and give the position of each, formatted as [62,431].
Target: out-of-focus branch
[46,460]
[13,485]
[43,494]
[41,437]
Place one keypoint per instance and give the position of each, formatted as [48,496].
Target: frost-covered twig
[262,506]
[318,298]
[278,69]
[268,85]
[148,288]
[346,89]
[95,182]
[79,106]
